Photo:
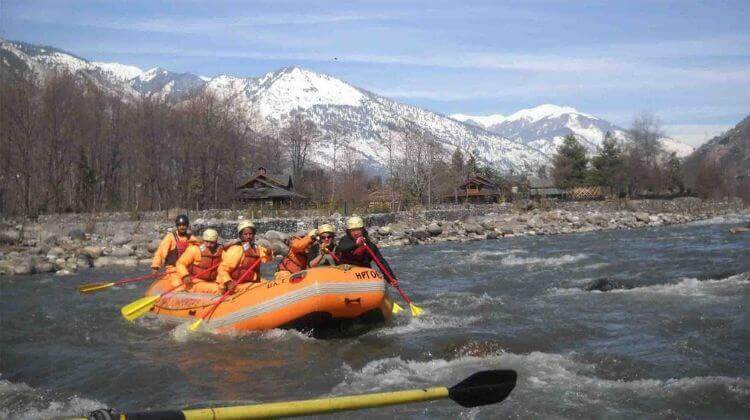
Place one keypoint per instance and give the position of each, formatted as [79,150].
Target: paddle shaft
[228,292]
[299,408]
[386,273]
[134,279]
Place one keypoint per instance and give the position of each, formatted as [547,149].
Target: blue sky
[686,62]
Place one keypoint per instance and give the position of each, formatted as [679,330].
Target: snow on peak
[484,121]
[120,71]
[544,111]
[150,74]
[294,88]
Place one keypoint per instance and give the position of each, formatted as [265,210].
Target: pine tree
[608,165]
[569,165]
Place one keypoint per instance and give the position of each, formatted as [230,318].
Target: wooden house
[384,199]
[476,189]
[267,188]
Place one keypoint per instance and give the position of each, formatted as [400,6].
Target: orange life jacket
[207,261]
[293,262]
[250,256]
[174,254]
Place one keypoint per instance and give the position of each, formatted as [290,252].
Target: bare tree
[299,136]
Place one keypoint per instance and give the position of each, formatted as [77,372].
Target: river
[674,342]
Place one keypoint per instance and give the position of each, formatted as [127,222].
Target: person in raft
[237,259]
[198,266]
[173,245]
[321,252]
[351,248]
[296,259]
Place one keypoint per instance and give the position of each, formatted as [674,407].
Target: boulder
[77,234]
[9,236]
[93,252]
[124,251]
[434,229]
[23,267]
[276,235]
[642,217]
[121,239]
[115,261]
[153,246]
[384,230]
[84,262]
[44,267]
[492,234]
[473,228]
[63,272]
[55,251]
[279,247]
[420,234]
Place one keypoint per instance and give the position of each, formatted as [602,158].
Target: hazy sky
[686,62]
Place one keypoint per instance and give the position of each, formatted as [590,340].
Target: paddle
[95,287]
[415,310]
[142,306]
[195,325]
[482,388]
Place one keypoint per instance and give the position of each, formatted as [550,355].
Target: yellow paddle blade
[139,307]
[94,287]
[396,308]
[195,325]
[415,310]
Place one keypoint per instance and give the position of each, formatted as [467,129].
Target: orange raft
[314,298]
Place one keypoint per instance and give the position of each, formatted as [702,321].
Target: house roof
[384,194]
[279,180]
[479,179]
[266,193]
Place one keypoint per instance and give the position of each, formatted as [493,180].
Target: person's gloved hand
[229,286]
[186,280]
[361,240]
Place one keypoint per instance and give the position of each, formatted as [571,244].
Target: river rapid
[672,339]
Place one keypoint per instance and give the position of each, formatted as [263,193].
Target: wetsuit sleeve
[230,259]
[187,259]
[161,253]
[300,245]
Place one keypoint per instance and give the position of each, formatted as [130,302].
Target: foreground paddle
[195,325]
[415,310]
[95,287]
[482,388]
[142,306]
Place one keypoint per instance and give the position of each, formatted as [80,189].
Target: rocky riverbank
[64,244]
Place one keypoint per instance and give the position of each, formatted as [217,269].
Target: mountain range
[363,121]
[544,127]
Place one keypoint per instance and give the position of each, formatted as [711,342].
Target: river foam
[22,402]
[550,384]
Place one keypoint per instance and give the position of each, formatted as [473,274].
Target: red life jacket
[250,256]
[175,253]
[207,261]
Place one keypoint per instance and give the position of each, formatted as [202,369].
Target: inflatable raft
[311,299]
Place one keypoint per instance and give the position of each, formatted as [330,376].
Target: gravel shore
[67,243]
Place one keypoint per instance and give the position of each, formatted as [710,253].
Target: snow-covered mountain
[362,120]
[544,127]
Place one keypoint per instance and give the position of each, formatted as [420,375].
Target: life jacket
[175,253]
[207,261]
[293,262]
[250,256]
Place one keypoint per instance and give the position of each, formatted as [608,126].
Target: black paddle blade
[482,388]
